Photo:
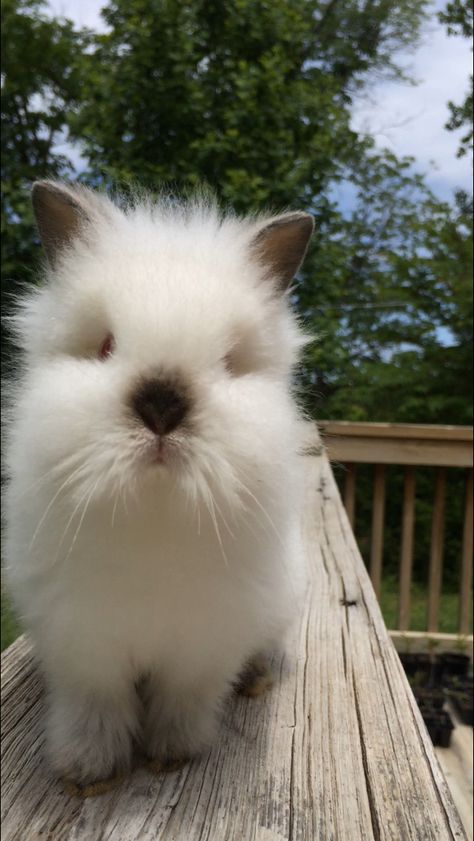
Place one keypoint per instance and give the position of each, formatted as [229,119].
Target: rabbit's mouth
[164,450]
[160,451]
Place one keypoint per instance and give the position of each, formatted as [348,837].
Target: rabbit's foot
[256,678]
[90,739]
[166,766]
[92,789]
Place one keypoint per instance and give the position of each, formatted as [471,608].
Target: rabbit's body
[155,486]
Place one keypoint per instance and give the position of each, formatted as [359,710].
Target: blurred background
[359,111]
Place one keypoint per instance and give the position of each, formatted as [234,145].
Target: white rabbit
[154,492]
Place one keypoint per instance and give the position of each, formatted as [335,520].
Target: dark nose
[161,405]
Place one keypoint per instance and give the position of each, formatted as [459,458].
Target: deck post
[406,556]
[465,594]
[378,513]
[436,550]
[349,492]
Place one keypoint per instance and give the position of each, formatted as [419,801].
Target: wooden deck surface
[457,764]
[336,751]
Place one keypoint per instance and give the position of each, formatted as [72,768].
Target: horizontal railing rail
[409,446]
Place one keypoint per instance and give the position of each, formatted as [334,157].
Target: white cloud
[82,12]
[410,119]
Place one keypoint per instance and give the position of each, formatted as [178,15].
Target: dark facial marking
[161,404]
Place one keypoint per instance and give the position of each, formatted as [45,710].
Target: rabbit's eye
[107,347]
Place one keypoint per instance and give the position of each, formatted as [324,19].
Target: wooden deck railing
[410,446]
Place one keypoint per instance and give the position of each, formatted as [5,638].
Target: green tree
[251,97]
[39,84]
[458,17]
[388,295]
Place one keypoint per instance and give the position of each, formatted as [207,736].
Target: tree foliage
[458,17]
[393,325]
[251,97]
[39,85]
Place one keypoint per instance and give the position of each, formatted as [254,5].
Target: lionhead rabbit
[154,491]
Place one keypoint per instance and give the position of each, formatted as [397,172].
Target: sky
[408,119]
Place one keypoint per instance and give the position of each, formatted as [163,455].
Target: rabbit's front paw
[90,742]
[255,678]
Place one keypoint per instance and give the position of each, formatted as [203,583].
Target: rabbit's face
[161,347]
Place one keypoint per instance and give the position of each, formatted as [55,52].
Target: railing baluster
[409,445]
[378,512]
[466,562]
[436,550]
[349,492]
[406,557]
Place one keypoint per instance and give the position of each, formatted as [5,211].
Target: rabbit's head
[160,346]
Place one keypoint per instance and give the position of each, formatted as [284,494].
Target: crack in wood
[344,653]
[370,794]
[324,560]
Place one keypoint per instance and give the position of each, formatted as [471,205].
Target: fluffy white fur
[123,569]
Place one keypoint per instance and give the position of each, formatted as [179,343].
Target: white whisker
[277,533]
[246,490]
[58,469]
[81,520]
[62,487]
[222,517]
[71,518]
[209,502]
[114,510]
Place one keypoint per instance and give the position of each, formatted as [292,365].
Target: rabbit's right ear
[61,212]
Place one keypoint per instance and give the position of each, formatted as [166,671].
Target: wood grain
[457,765]
[336,751]
[426,431]
[417,641]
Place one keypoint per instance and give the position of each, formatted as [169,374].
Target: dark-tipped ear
[60,214]
[281,245]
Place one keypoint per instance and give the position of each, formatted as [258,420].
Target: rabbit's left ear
[61,213]
[280,245]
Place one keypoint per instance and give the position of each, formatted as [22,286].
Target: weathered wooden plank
[419,431]
[386,443]
[378,512]
[436,550]
[401,774]
[399,451]
[457,765]
[337,750]
[416,641]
